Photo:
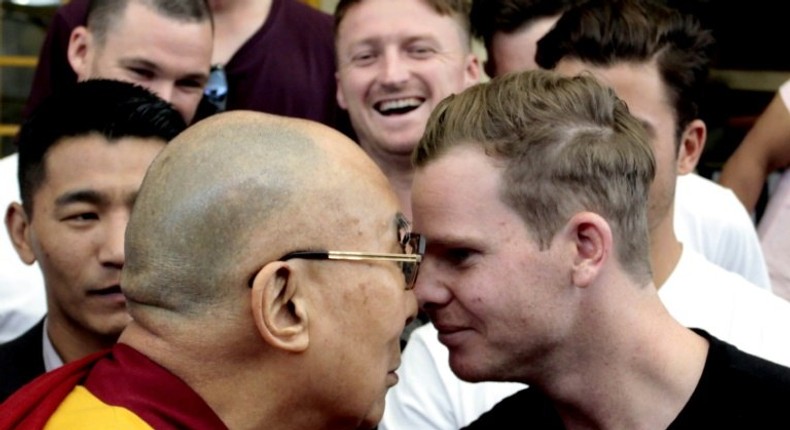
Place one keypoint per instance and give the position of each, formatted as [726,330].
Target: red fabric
[32,405]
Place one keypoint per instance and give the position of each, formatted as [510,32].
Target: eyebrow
[401,221]
[80,196]
[142,62]
[651,131]
[89,196]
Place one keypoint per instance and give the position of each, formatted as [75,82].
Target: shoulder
[26,344]
[525,409]
[700,197]
[737,390]
[747,372]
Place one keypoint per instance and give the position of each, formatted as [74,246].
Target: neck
[72,341]
[246,383]
[665,249]
[639,378]
[235,21]
[400,173]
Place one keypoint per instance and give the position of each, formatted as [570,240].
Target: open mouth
[115,289]
[398,106]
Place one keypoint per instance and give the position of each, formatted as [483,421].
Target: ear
[80,52]
[592,242]
[341,99]
[279,308]
[472,70]
[17,223]
[692,143]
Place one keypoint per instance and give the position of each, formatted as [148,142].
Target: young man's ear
[592,242]
[279,307]
[17,223]
[80,51]
[692,143]
[471,70]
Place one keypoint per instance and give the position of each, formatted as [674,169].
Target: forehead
[144,33]
[639,85]
[395,20]
[91,158]
[458,191]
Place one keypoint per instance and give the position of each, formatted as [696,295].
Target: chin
[374,415]
[466,372]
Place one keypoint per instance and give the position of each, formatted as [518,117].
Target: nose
[162,88]
[111,252]
[411,306]
[429,289]
[395,70]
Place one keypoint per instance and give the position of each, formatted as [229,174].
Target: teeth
[399,104]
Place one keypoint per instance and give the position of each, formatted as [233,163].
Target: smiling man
[397,59]
[82,158]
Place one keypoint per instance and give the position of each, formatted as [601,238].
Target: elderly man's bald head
[233,192]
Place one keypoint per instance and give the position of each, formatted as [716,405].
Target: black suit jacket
[21,360]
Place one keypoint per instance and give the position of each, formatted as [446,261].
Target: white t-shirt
[774,227]
[22,298]
[774,233]
[710,219]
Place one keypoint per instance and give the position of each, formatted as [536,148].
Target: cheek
[57,248]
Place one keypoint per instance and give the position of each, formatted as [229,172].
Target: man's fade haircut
[488,17]
[607,32]
[108,108]
[103,15]
[566,144]
[457,9]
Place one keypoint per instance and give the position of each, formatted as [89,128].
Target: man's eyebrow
[91,197]
[80,196]
[651,131]
[401,222]
[140,62]
[146,64]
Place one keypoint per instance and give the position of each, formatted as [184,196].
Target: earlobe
[17,223]
[592,238]
[279,308]
[692,143]
[78,51]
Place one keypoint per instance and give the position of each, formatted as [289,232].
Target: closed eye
[420,51]
[458,256]
[141,73]
[82,217]
[364,58]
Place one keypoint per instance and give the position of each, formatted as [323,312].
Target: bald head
[232,193]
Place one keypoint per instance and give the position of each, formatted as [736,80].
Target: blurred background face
[640,86]
[77,228]
[169,57]
[496,299]
[396,60]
